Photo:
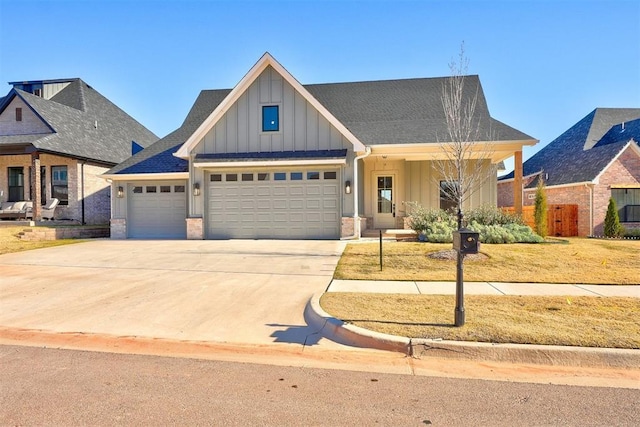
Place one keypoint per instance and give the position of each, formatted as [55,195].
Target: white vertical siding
[301,125]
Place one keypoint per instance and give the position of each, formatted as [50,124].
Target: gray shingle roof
[86,125]
[377,112]
[158,158]
[565,160]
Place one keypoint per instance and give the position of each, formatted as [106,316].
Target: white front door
[384,197]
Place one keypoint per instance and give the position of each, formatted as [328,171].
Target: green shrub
[612,227]
[494,225]
[491,215]
[540,212]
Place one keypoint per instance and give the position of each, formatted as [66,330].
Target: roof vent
[95,124]
[622,127]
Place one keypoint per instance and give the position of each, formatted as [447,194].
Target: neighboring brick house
[272,158]
[596,159]
[59,136]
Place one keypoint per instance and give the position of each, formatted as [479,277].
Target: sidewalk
[482,288]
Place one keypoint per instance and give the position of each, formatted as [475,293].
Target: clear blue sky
[543,64]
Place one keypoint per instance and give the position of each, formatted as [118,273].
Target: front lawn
[574,260]
[569,321]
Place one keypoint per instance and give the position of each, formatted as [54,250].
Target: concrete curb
[344,333]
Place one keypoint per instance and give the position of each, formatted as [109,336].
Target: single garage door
[300,204]
[157,210]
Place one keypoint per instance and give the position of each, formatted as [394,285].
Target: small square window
[165,189]
[137,190]
[330,175]
[263,177]
[152,189]
[247,177]
[313,175]
[279,176]
[231,177]
[296,176]
[178,189]
[270,118]
[215,177]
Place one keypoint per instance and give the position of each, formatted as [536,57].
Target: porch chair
[48,210]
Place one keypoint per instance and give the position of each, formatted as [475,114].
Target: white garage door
[301,204]
[157,210]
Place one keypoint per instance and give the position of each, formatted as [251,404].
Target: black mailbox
[466,241]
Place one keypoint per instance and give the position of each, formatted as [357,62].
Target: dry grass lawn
[10,242]
[576,260]
[573,321]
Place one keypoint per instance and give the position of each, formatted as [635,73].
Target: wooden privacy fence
[562,220]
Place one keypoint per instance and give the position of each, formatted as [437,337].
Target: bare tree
[463,166]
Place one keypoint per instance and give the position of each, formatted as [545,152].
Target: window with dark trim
[137,190]
[215,177]
[279,176]
[18,114]
[627,203]
[151,189]
[296,176]
[247,177]
[165,189]
[43,185]
[16,184]
[60,184]
[448,190]
[263,177]
[231,177]
[178,189]
[313,175]
[270,118]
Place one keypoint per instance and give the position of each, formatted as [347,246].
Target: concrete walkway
[483,288]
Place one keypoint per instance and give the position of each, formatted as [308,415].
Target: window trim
[266,128]
[54,194]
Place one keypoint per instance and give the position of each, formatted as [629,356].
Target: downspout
[82,189]
[590,187]
[356,215]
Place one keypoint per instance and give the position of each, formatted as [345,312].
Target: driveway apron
[233,291]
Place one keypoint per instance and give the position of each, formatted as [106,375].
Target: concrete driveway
[233,291]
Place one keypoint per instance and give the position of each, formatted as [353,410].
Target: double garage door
[285,204]
[157,210]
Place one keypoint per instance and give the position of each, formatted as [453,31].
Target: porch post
[36,198]
[517,182]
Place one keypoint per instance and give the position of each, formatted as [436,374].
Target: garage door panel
[286,209]
[159,214]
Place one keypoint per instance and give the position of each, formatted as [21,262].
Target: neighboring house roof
[583,151]
[159,156]
[84,124]
[407,111]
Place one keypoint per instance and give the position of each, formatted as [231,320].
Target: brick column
[517,182]
[35,186]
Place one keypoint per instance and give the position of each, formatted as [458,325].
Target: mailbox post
[465,242]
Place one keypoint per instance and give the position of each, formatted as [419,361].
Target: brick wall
[624,171]
[97,206]
[570,195]
[195,229]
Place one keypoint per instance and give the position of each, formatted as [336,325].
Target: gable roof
[584,150]
[84,125]
[266,61]
[405,111]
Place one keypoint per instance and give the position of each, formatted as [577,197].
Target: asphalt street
[40,386]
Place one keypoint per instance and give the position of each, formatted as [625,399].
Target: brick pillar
[35,186]
[517,182]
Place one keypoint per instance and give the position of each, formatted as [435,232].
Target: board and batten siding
[302,127]
[422,186]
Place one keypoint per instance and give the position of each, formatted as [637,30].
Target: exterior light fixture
[347,187]
[120,192]
[196,189]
